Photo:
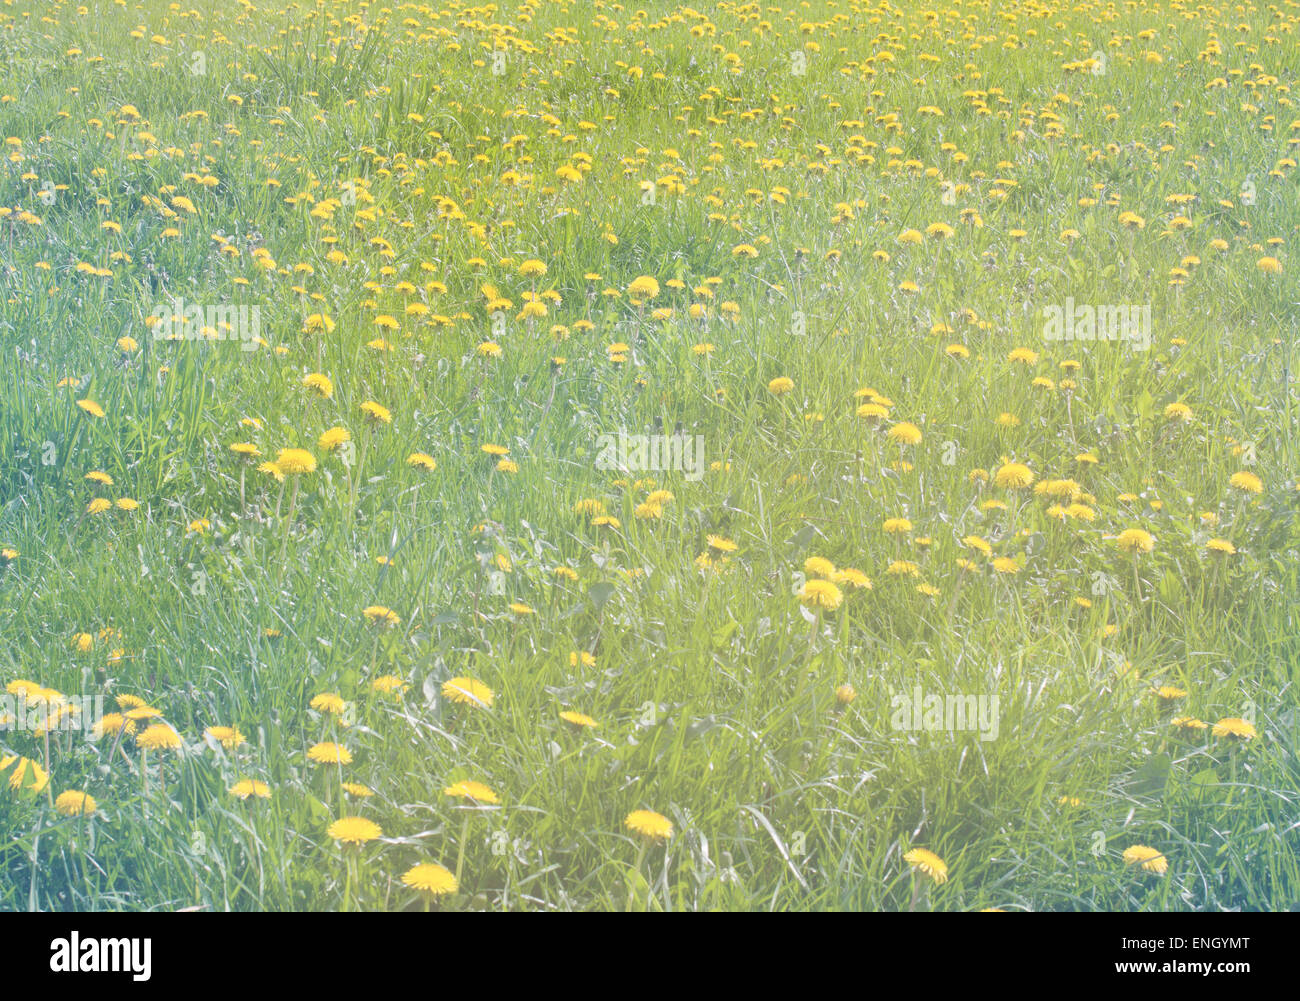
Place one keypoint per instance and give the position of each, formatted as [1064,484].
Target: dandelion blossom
[245,788]
[329,753]
[468,691]
[430,878]
[821,595]
[1235,726]
[905,433]
[650,825]
[1150,859]
[475,791]
[1013,476]
[354,830]
[928,863]
[295,461]
[1135,540]
[159,737]
[75,804]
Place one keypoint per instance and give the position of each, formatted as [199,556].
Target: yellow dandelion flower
[1135,540]
[354,830]
[649,825]
[329,753]
[1013,476]
[471,790]
[928,863]
[577,719]
[245,788]
[75,804]
[468,691]
[1235,726]
[1148,858]
[380,615]
[821,595]
[158,737]
[905,433]
[295,461]
[228,736]
[430,878]
[328,702]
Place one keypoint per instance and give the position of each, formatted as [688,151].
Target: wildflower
[75,804]
[328,702]
[649,825]
[27,775]
[333,439]
[319,384]
[430,878]
[643,287]
[388,684]
[468,691]
[295,461]
[158,737]
[849,577]
[1135,540]
[1150,859]
[818,566]
[329,753]
[379,615]
[477,792]
[905,433]
[1013,476]
[354,830]
[578,720]
[821,595]
[375,413]
[245,788]
[228,736]
[1235,726]
[928,863]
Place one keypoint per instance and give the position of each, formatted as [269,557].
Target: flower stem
[640,857]
[288,524]
[460,854]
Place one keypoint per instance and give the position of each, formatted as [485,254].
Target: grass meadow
[557,456]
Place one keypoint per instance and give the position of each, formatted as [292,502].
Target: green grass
[714,691]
